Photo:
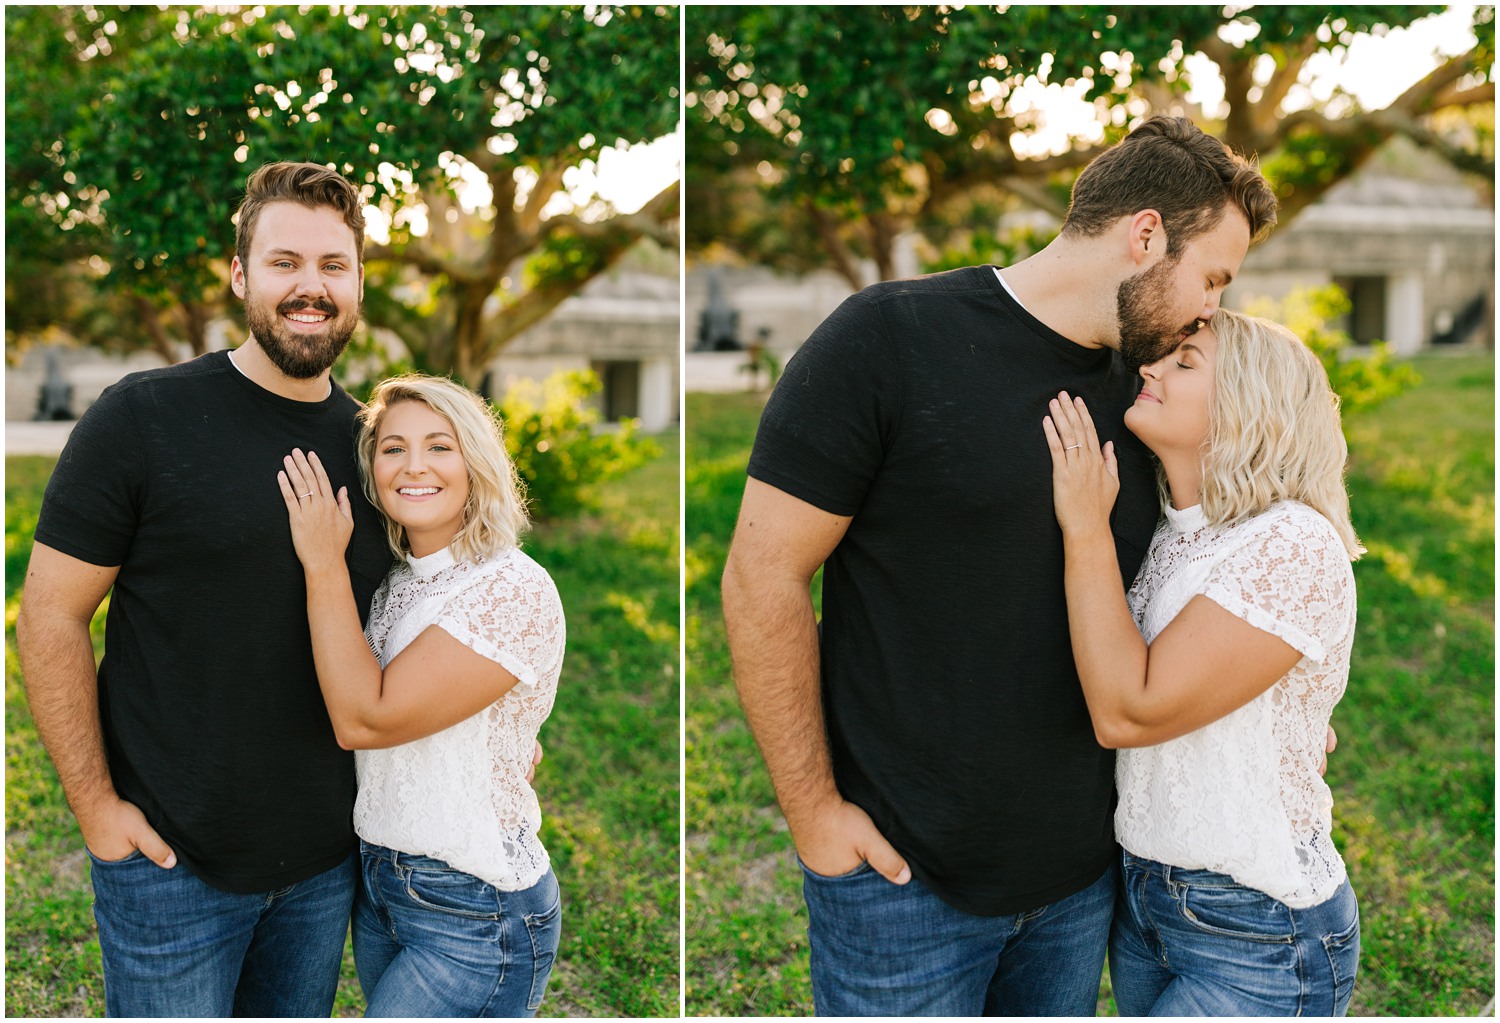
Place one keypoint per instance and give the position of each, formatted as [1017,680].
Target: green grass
[1413,777]
[608,784]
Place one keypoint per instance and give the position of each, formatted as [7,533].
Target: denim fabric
[881,949]
[1196,943]
[176,946]
[430,940]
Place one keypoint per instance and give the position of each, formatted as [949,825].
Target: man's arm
[778,545]
[52,633]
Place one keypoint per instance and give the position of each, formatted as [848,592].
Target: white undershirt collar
[247,375]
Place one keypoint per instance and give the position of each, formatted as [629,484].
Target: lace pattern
[461,795]
[1242,796]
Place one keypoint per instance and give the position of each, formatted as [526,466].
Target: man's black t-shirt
[213,721]
[954,712]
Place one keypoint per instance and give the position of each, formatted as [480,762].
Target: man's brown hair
[307,184]
[1169,165]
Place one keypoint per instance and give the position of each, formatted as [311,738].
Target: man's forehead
[302,229]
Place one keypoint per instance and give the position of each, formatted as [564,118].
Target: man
[929,742]
[200,762]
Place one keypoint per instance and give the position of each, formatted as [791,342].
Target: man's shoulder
[964,280]
[182,374]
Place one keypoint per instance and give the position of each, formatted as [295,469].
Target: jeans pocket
[134,854]
[452,892]
[1235,911]
[859,870]
[545,931]
[1343,959]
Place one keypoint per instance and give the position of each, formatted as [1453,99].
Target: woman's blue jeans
[881,949]
[1197,943]
[430,940]
[176,946]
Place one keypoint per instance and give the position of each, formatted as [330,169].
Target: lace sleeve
[1288,579]
[513,617]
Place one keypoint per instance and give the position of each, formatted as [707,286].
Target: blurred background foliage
[131,130]
[816,140]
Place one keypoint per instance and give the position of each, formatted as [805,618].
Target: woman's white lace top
[461,795]
[1242,796]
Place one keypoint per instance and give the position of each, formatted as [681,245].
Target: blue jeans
[881,949]
[430,940]
[1196,943]
[176,946]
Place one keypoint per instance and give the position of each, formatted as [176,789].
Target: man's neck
[250,360]
[1062,287]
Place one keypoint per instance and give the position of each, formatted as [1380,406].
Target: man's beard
[300,356]
[1146,333]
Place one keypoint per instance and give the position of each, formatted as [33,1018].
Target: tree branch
[826,227]
[415,255]
[1419,99]
[651,220]
[1265,115]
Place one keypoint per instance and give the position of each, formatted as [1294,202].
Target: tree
[170,110]
[817,135]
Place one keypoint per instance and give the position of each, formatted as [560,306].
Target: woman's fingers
[324,486]
[309,478]
[1091,438]
[287,493]
[1054,442]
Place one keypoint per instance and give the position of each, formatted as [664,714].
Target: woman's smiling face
[1172,411]
[420,475]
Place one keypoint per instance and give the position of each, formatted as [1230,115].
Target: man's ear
[1147,237]
[237,277]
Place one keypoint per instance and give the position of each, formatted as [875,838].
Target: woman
[1217,674]
[458,912]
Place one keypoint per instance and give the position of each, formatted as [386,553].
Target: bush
[551,432]
[1360,383]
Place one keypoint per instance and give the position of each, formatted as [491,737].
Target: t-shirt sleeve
[92,503]
[512,617]
[1291,580]
[827,424]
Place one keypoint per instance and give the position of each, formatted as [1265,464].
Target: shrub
[1360,382]
[552,433]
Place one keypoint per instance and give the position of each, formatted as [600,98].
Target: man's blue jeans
[880,949]
[176,946]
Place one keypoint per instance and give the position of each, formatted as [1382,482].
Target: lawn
[608,784]
[1413,777]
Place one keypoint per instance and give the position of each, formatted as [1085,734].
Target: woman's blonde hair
[495,513]
[1274,432]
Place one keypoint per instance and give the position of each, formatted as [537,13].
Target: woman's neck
[1184,479]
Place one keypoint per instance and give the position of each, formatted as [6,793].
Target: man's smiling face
[302,287]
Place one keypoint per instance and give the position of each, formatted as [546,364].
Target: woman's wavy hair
[1274,432]
[495,513]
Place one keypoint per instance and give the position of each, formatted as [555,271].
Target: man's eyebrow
[278,253]
[1225,276]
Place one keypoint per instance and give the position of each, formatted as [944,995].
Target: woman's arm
[1202,666]
[435,682]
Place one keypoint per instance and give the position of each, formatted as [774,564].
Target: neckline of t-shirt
[430,565]
[272,397]
[1068,347]
[1185,520]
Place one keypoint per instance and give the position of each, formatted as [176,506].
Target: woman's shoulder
[511,566]
[1295,534]
[1291,519]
